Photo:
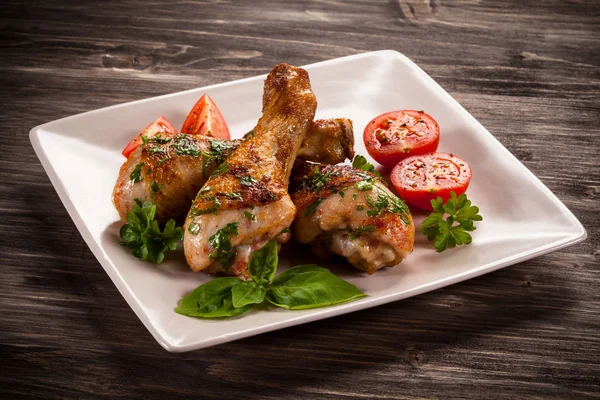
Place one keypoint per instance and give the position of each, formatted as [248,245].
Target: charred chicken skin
[169,170]
[351,213]
[245,202]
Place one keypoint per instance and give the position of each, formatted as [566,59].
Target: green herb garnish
[185,145]
[317,180]
[452,231]
[221,169]
[155,187]
[249,216]
[363,185]
[234,195]
[156,139]
[212,209]
[136,174]
[193,228]
[249,135]
[378,205]
[360,230]
[388,203]
[219,151]
[247,181]
[360,162]
[154,150]
[299,288]
[143,235]
[221,243]
[311,209]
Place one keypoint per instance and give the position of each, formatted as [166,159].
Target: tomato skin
[206,119]
[422,178]
[393,136]
[161,124]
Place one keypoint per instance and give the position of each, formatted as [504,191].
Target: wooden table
[528,70]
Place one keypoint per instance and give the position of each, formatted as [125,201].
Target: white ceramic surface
[522,218]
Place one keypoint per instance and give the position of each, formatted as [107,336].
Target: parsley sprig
[451,231]
[360,162]
[143,235]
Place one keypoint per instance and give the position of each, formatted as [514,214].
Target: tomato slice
[158,126]
[206,119]
[393,136]
[422,178]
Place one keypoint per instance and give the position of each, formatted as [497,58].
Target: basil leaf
[248,292]
[212,300]
[263,263]
[310,286]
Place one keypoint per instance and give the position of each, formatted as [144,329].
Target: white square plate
[522,218]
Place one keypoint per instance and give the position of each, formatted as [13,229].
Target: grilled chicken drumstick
[245,202]
[351,213]
[168,169]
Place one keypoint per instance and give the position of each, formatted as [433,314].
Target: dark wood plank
[528,70]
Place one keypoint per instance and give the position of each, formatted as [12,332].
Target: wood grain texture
[528,70]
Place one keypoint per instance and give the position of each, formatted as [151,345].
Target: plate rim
[130,297]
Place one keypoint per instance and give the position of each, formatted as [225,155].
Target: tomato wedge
[422,178]
[160,125]
[393,136]
[206,119]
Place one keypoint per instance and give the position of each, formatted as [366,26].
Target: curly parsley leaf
[453,230]
[144,237]
[360,162]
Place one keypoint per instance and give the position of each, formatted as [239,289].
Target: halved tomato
[393,136]
[160,125]
[422,178]
[206,119]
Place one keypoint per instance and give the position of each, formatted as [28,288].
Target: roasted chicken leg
[168,170]
[245,202]
[351,213]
